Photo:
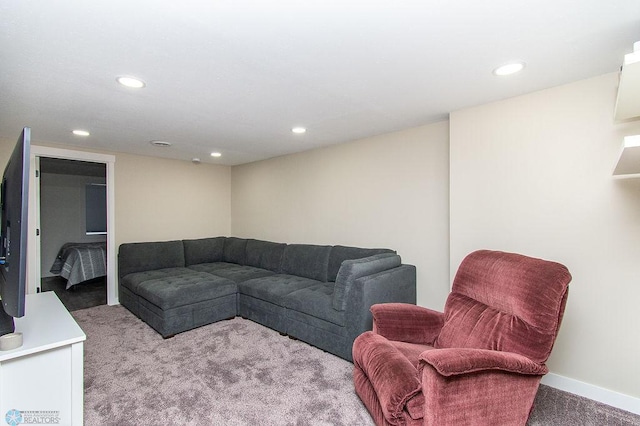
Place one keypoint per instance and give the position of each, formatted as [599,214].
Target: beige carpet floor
[233,372]
[237,372]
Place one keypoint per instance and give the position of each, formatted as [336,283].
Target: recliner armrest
[391,375]
[407,323]
[456,361]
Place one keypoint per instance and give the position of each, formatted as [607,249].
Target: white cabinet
[42,381]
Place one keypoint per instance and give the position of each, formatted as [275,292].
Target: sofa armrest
[457,361]
[407,323]
[352,269]
[392,285]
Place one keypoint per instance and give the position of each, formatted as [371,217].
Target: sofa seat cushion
[133,280]
[211,268]
[274,287]
[238,273]
[172,292]
[315,301]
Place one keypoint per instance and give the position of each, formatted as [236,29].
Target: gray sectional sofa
[318,294]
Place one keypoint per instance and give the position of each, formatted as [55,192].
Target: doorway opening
[71,239]
[73,231]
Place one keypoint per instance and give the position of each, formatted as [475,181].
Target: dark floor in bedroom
[81,296]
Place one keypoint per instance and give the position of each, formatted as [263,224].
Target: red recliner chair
[478,363]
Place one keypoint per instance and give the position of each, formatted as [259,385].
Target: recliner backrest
[506,302]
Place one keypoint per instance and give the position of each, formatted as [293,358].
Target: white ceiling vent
[161,144]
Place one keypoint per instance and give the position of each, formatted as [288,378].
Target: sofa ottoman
[172,304]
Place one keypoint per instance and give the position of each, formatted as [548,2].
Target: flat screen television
[13,230]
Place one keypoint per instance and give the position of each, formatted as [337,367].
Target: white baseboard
[596,393]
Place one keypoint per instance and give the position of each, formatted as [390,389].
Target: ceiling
[236,76]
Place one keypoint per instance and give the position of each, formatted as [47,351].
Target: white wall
[63,214]
[6,148]
[159,199]
[533,174]
[387,191]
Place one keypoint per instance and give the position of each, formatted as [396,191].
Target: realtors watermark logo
[16,417]
[13,417]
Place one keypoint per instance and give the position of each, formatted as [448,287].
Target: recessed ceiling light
[509,69]
[160,144]
[79,132]
[299,130]
[132,82]
[216,154]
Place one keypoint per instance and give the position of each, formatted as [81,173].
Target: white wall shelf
[628,108]
[628,164]
[628,101]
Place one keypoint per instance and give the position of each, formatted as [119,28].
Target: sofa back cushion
[505,302]
[341,253]
[353,269]
[235,250]
[265,254]
[137,257]
[203,250]
[306,260]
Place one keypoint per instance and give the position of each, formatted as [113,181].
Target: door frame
[33,244]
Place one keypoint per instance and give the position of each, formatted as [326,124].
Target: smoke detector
[160,144]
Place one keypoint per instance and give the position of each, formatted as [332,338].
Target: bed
[80,262]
